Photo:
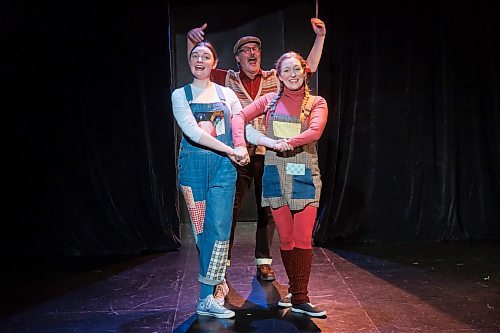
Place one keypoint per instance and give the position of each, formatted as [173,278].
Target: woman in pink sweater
[294,121]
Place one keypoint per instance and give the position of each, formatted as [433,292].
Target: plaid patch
[295,169]
[197,215]
[217,267]
[196,209]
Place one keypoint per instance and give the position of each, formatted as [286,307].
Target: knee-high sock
[301,270]
[287,258]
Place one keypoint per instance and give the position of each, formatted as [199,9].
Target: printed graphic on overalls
[217,267]
[196,209]
[211,122]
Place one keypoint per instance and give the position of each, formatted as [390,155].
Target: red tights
[295,227]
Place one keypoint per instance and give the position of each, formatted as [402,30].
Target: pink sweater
[289,104]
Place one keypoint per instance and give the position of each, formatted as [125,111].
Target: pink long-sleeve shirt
[289,104]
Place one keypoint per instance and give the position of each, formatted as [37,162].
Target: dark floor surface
[426,287]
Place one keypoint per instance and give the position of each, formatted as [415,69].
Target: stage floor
[431,287]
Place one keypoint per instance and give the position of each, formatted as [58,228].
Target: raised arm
[317,49]
[194,36]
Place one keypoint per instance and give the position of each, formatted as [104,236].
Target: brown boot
[301,270]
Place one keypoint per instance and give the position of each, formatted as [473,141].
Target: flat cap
[244,40]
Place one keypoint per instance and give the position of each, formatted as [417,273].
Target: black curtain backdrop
[412,147]
[411,150]
[92,129]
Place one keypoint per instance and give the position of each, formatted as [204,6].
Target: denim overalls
[207,180]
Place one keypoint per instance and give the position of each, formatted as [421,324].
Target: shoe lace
[212,302]
[219,291]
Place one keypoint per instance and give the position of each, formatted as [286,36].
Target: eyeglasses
[247,50]
[204,56]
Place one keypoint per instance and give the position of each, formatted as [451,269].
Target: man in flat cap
[249,83]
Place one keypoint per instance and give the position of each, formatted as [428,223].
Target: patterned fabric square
[285,130]
[197,215]
[196,209]
[217,267]
[295,169]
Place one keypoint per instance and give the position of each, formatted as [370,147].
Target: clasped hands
[281,145]
[239,155]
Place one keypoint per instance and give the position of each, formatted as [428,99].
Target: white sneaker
[210,307]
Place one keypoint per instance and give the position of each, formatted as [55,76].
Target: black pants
[253,171]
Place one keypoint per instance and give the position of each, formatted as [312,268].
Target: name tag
[295,169]
[285,130]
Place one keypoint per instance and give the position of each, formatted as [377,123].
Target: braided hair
[271,106]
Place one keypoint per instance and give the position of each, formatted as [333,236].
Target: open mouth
[252,61]
[199,68]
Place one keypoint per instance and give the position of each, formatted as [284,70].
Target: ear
[215,63]
[237,58]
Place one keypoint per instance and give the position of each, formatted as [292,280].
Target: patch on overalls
[217,267]
[196,209]
[303,186]
[271,185]
[295,169]
[285,130]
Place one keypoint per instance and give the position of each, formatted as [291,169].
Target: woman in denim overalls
[206,173]
[294,122]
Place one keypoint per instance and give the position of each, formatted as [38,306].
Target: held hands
[277,145]
[318,27]
[197,35]
[282,145]
[240,156]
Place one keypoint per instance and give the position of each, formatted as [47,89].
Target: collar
[294,93]
[243,76]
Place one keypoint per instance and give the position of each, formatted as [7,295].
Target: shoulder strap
[219,92]
[189,93]
[309,104]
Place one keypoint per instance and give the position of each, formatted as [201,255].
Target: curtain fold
[93,132]
[411,151]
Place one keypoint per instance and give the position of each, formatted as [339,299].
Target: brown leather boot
[301,270]
[265,272]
